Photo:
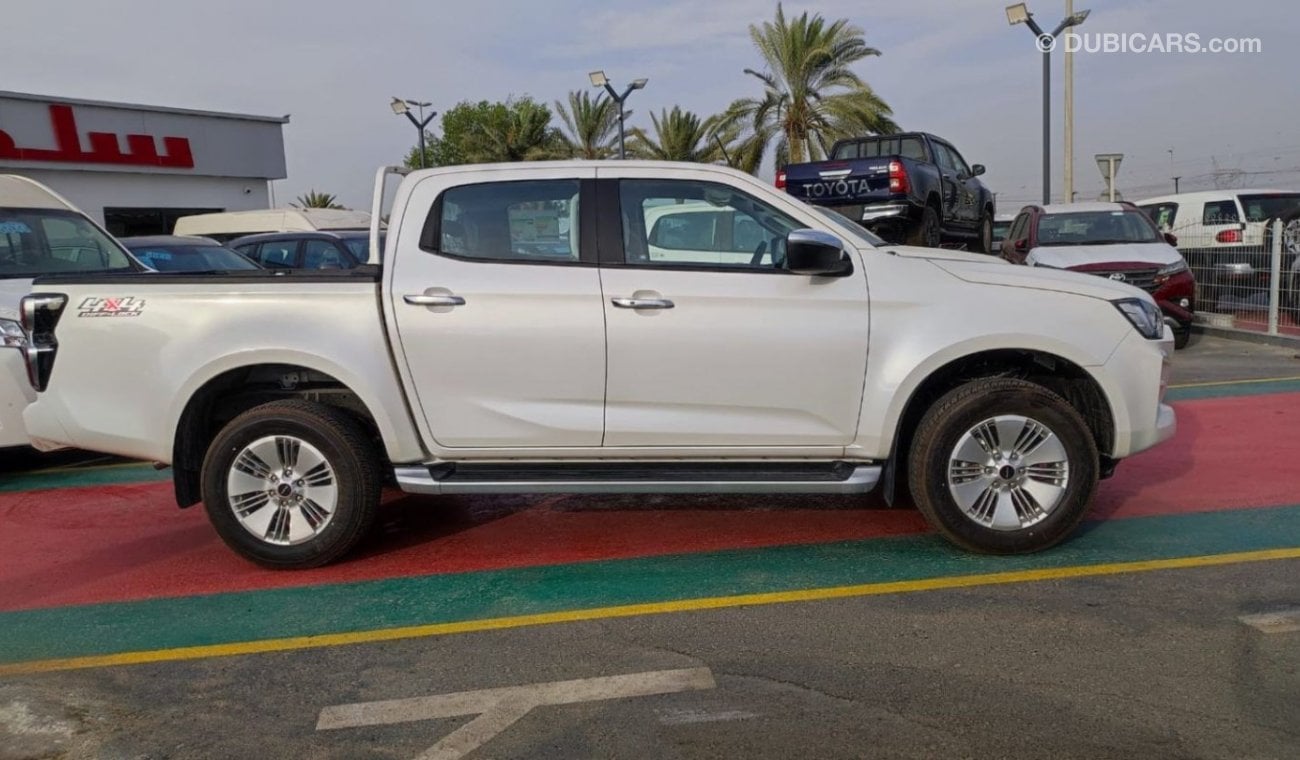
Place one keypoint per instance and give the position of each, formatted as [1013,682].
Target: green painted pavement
[256,615]
[1244,388]
[83,477]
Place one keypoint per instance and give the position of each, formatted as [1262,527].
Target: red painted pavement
[115,543]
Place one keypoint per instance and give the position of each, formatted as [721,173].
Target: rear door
[496,300]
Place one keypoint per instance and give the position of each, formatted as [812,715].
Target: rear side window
[278,254]
[322,254]
[1163,214]
[526,221]
[1220,212]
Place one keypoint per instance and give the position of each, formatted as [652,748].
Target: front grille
[1141,278]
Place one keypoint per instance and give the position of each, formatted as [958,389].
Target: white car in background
[40,234]
[1224,236]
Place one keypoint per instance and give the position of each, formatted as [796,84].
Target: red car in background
[1113,240]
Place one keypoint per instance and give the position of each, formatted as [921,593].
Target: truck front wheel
[1003,466]
[292,484]
[926,232]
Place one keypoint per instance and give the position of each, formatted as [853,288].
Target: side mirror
[977,170]
[1171,239]
[1021,245]
[816,253]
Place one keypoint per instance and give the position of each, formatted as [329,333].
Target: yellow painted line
[1237,382]
[630,610]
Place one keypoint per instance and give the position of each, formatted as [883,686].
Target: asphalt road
[1150,665]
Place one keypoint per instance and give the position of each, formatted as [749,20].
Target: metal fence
[1247,275]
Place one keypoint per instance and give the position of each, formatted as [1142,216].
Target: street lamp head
[639,84]
[1077,18]
[598,79]
[399,106]
[1017,14]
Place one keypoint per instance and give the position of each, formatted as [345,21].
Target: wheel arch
[1064,376]
[232,385]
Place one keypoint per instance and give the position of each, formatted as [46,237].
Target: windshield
[359,247]
[37,241]
[849,226]
[1261,208]
[1097,228]
[190,258]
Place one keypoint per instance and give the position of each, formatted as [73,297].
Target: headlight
[1171,269]
[12,335]
[1144,315]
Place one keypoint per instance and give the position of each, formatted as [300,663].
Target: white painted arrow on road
[498,709]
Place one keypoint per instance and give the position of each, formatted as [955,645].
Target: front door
[710,342]
[497,306]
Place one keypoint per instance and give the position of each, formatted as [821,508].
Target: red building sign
[104,147]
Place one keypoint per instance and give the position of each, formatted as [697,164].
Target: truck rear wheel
[926,231]
[292,484]
[1003,466]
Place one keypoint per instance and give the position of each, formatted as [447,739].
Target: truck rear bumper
[891,211]
[15,394]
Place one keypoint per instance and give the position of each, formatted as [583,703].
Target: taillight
[780,180]
[40,315]
[1229,236]
[898,181]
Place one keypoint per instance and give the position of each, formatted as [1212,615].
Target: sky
[951,67]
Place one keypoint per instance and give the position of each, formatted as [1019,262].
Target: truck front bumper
[1141,416]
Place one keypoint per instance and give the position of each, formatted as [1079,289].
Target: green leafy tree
[811,95]
[590,125]
[314,199]
[518,129]
[677,135]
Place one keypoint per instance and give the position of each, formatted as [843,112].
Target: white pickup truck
[607,327]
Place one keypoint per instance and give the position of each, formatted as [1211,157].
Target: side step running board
[650,477]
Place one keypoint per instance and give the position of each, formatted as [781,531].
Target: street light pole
[403,108]
[598,79]
[1019,14]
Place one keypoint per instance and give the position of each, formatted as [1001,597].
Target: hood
[996,272]
[941,254]
[1070,256]
[11,292]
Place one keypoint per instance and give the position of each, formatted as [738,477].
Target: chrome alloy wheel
[282,490]
[1008,472]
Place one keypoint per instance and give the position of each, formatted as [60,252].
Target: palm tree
[811,96]
[591,125]
[678,136]
[517,130]
[314,199]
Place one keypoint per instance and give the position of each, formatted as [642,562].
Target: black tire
[1182,336]
[348,450]
[959,411]
[986,234]
[926,232]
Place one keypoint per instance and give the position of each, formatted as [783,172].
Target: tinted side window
[1019,228]
[953,158]
[1220,212]
[700,223]
[532,220]
[1163,214]
[278,254]
[322,254]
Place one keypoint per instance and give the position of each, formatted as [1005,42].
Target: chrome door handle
[642,303]
[423,300]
